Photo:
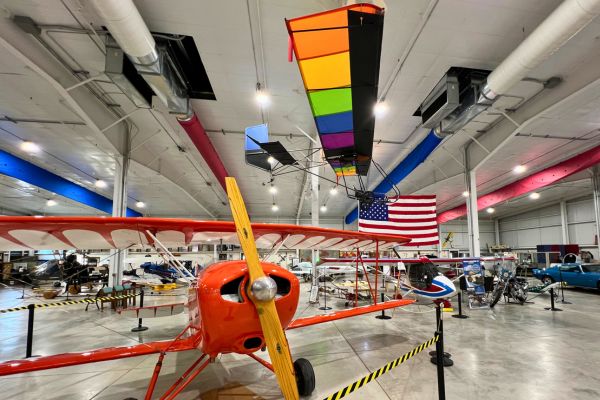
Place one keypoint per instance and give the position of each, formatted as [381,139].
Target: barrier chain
[68,303]
[386,368]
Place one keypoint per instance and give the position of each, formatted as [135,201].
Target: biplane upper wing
[105,354]
[352,312]
[62,233]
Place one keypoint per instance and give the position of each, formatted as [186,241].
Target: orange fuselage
[223,315]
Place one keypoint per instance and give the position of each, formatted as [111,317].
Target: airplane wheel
[305,376]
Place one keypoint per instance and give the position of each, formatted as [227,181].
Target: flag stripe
[411,216]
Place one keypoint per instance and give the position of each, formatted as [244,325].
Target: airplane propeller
[262,291]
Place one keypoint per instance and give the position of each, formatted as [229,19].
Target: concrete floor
[511,352]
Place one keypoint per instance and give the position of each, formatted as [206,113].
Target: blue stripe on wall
[402,170]
[25,171]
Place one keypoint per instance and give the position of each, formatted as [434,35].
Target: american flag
[411,216]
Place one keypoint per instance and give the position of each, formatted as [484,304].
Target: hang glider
[338,53]
[64,233]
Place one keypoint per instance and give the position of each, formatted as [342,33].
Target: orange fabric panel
[326,72]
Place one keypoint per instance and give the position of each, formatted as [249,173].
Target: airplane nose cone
[264,289]
[445,283]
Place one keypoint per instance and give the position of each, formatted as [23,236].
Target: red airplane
[234,307]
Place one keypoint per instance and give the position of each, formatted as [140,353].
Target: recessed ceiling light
[100,184]
[30,147]
[380,109]
[273,189]
[333,191]
[274,207]
[491,210]
[534,196]
[465,193]
[519,169]
[51,203]
[323,209]
[140,204]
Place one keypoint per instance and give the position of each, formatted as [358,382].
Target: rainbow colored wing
[338,54]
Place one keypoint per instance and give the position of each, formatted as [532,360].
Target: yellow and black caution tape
[376,374]
[68,303]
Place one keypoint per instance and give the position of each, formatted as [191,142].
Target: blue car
[581,275]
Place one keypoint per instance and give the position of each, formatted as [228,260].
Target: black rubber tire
[305,376]
[496,294]
[547,280]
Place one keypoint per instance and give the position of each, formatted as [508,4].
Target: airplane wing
[352,312]
[105,354]
[387,261]
[64,233]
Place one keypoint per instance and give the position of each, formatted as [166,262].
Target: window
[591,268]
[570,268]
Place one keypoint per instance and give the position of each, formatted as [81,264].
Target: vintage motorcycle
[509,286]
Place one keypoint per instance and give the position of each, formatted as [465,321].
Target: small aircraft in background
[234,306]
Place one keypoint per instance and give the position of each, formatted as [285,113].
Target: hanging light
[274,207]
[262,97]
[534,196]
[381,108]
[333,191]
[140,204]
[271,160]
[465,193]
[273,189]
[491,210]
[519,169]
[323,208]
[51,203]
[29,147]
[100,184]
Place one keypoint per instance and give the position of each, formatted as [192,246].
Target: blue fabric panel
[404,168]
[334,123]
[27,172]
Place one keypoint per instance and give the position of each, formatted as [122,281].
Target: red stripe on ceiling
[530,183]
[198,135]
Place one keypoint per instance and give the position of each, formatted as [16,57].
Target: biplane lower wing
[105,354]
[353,312]
[64,233]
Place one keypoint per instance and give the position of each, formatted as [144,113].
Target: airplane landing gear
[305,376]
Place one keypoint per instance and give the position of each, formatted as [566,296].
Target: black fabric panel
[278,152]
[365,36]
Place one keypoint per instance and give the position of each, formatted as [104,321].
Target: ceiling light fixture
[381,108]
[491,210]
[140,204]
[29,147]
[262,97]
[273,189]
[519,169]
[100,184]
[465,193]
[271,160]
[323,208]
[51,203]
[333,191]
[274,207]
[534,196]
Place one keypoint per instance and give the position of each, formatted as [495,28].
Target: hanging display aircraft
[234,307]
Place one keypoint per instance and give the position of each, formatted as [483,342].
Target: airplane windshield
[421,275]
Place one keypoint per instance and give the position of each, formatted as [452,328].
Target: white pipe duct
[560,26]
[126,25]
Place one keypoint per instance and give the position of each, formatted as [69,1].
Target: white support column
[314,202]
[497,230]
[596,187]
[472,214]
[564,225]
[117,257]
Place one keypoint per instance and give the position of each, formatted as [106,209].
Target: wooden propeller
[277,344]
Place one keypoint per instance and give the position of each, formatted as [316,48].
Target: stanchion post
[460,314]
[446,360]
[552,308]
[383,316]
[28,351]
[140,328]
[439,355]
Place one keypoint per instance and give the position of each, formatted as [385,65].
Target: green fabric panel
[332,101]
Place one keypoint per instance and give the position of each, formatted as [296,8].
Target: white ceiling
[175,183]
